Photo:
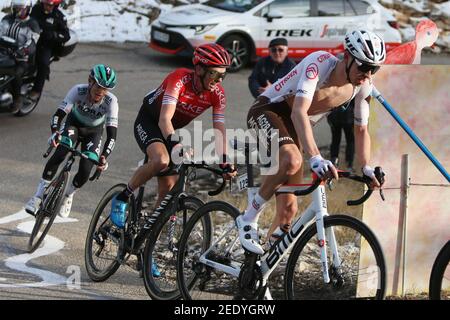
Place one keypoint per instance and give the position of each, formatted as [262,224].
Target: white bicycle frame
[270,260]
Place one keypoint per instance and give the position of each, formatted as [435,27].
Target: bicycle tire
[437,272]
[52,204]
[309,233]
[154,290]
[185,285]
[93,271]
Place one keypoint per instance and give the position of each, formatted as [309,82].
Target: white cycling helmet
[365,46]
[21,8]
[22,3]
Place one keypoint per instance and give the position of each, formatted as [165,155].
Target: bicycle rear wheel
[361,275]
[161,248]
[440,275]
[104,246]
[45,216]
[197,280]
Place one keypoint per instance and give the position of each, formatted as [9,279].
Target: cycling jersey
[178,88]
[90,139]
[310,75]
[87,114]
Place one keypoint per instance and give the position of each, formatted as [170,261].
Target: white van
[245,27]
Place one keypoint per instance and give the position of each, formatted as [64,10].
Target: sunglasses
[275,50]
[365,68]
[215,75]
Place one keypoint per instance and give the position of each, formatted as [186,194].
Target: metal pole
[404,190]
[377,95]
[401,230]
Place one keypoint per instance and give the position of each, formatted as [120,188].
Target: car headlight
[199,29]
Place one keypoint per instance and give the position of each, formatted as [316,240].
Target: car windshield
[233,5]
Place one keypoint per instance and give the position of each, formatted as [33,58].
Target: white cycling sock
[41,188]
[71,189]
[254,209]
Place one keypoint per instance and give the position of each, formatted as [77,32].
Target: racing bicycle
[151,236]
[53,196]
[330,257]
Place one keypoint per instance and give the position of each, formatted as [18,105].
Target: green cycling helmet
[104,76]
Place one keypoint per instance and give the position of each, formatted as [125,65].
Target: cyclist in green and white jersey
[89,108]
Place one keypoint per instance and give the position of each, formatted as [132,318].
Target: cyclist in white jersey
[89,108]
[292,105]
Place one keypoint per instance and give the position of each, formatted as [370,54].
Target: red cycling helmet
[52,2]
[211,55]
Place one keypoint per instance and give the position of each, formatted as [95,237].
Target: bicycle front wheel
[104,241]
[357,272]
[198,280]
[161,250]
[45,216]
[440,275]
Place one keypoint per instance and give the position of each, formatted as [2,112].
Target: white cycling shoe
[66,206]
[32,205]
[248,235]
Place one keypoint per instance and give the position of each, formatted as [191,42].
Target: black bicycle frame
[170,202]
[70,160]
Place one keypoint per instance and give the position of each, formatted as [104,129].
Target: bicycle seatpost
[249,167]
[140,196]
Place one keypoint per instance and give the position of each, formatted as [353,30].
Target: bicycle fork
[171,233]
[322,235]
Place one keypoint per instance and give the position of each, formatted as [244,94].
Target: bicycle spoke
[358,275]
[104,245]
[201,280]
[161,250]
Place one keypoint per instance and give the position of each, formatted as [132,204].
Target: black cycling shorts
[147,131]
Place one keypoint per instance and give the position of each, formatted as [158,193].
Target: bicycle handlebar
[363,179]
[96,175]
[75,152]
[205,166]
[314,185]
[379,174]
[49,150]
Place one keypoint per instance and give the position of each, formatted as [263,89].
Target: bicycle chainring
[251,282]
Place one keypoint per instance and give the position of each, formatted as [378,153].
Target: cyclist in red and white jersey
[183,96]
[292,105]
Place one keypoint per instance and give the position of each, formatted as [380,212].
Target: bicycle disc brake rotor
[337,279]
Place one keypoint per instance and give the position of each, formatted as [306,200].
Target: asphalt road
[53,272]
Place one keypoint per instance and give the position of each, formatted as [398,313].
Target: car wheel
[239,50]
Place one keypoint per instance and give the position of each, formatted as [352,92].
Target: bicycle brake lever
[330,184]
[382,194]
